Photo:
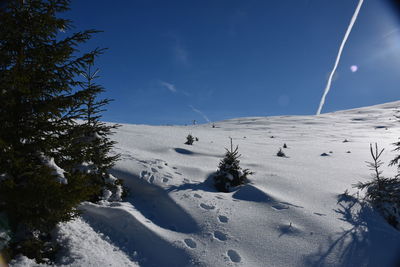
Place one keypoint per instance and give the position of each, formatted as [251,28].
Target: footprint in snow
[165,180]
[233,256]
[154,170]
[175,168]
[143,174]
[190,243]
[178,173]
[197,195]
[220,236]
[151,179]
[207,207]
[223,219]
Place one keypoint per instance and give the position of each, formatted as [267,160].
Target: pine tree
[189,139]
[94,136]
[280,153]
[39,105]
[229,173]
[382,192]
[396,160]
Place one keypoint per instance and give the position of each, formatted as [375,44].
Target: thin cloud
[181,54]
[200,113]
[169,86]
[389,33]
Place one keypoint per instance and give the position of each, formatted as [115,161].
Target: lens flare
[354,68]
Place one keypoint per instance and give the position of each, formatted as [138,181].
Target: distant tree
[189,139]
[39,106]
[284,145]
[229,173]
[280,153]
[396,160]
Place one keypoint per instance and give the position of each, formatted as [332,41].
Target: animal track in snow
[151,179]
[154,170]
[197,195]
[190,243]
[144,174]
[220,236]
[165,180]
[233,256]
[223,219]
[207,207]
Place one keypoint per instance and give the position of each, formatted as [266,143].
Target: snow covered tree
[39,105]
[229,173]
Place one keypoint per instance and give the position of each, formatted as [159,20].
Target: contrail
[328,85]
[199,112]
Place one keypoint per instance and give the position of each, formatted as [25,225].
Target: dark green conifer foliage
[189,139]
[396,160]
[95,158]
[39,105]
[382,192]
[280,153]
[229,173]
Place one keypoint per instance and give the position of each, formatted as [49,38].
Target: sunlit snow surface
[291,214]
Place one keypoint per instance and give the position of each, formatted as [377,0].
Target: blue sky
[172,62]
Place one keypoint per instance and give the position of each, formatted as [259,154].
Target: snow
[106,194]
[57,171]
[82,246]
[292,213]
[86,167]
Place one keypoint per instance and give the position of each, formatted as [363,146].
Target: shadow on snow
[156,205]
[370,241]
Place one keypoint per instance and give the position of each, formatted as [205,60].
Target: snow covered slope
[291,214]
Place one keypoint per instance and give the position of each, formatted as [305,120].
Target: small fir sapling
[229,173]
[96,158]
[280,153]
[383,193]
[189,139]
